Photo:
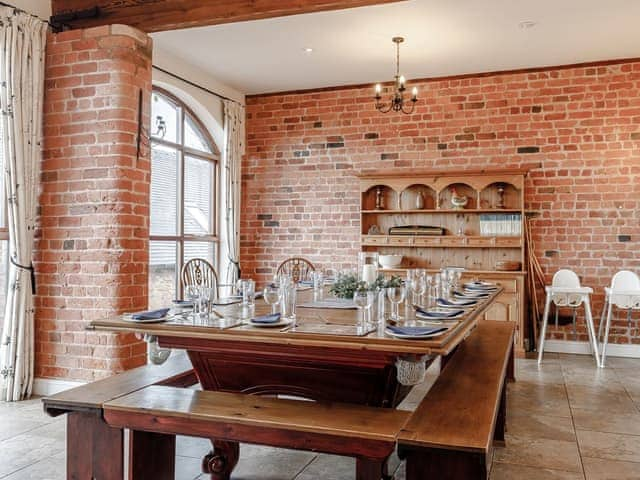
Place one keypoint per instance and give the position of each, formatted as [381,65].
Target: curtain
[234,117]
[22,45]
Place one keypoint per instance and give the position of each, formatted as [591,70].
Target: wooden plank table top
[375,341]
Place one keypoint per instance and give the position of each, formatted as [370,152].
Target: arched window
[184,195]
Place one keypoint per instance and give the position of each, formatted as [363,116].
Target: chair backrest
[625,281]
[298,268]
[198,271]
[566,278]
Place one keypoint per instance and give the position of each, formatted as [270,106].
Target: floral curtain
[22,53]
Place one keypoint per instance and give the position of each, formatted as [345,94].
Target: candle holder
[368,267]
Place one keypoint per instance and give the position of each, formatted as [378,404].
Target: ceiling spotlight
[307,50]
[527,24]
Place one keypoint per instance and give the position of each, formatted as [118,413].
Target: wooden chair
[298,268]
[198,271]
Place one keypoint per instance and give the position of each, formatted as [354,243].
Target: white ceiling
[443,37]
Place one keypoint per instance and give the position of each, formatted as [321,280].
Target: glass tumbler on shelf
[368,267]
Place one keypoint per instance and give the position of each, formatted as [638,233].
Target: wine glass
[418,287]
[429,281]
[272,296]
[396,296]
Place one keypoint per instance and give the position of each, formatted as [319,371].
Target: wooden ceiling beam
[160,15]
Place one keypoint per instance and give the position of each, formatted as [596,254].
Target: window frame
[182,152]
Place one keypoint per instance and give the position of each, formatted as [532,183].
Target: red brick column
[92,245]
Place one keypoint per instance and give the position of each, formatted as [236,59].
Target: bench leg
[94,449]
[501,420]
[152,456]
[368,469]
[445,465]
[511,366]
[221,461]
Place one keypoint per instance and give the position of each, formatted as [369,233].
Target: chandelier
[397,102]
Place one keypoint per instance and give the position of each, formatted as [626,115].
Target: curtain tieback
[31,270]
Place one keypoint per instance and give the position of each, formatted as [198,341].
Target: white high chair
[565,291]
[624,293]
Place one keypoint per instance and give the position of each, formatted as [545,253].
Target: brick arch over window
[184,195]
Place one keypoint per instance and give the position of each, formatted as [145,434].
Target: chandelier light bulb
[378,89]
[414,93]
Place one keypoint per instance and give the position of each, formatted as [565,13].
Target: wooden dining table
[320,358]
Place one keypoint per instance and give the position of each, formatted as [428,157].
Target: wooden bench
[89,439]
[156,414]
[451,433]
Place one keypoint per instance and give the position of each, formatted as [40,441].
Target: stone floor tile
[623,362]
[23,450]
[541,399]
[506,471]
[540,426]
[609,423]
[609,446]
[601,398]
[599,469]
[192,446]
[544,453]
[329,467]
[12,425]
[530,372]
[50,468]
[188,468]
[265,463]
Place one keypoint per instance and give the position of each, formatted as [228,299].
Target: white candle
[369,273]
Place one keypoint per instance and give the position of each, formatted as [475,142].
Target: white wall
[41,8]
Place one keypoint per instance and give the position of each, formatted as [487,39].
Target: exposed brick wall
[92,243]
[577,128]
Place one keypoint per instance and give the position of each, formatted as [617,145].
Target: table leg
[152,456]
[221,461]
[368,469]
[94,449]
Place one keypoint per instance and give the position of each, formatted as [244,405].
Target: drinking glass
[193,295]
[288,302]
[418,286]
[272,296]
[318,284]
[396,297]
[431,297]
[247,289]
[361,299]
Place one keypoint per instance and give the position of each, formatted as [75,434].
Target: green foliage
[347,284]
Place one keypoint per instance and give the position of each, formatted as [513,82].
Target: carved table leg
[221,461]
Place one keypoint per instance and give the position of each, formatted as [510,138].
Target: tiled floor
[567,421]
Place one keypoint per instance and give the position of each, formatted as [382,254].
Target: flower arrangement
[347,284]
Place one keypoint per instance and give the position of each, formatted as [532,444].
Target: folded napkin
[480,286]
[471,294]
[416,331]
[435,314]
[271,318]
[456,303]
[184,303]
[151,314]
